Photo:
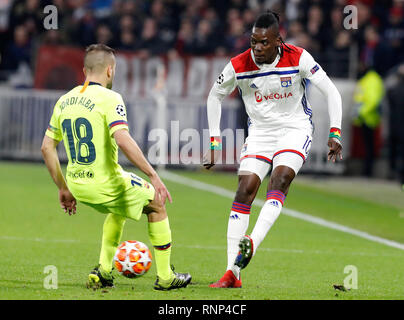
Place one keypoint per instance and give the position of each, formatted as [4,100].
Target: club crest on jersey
[286,82]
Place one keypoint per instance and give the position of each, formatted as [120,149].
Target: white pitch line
[289,212]
[12,238]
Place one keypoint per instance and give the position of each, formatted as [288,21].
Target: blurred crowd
[358,39]
[201,27]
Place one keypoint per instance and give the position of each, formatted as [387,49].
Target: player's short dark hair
[267,20]
[99,47]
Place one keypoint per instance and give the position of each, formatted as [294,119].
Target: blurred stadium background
[187,43]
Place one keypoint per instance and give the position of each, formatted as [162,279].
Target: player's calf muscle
[281,179]
[244,196]
[247,189]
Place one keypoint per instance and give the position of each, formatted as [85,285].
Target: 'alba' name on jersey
[84,101]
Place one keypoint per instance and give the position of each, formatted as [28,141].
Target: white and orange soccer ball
[132,259]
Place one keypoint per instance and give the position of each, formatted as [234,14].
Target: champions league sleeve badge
[220,80]
[120,109]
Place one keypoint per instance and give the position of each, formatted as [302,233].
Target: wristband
[215,143]
[335,133]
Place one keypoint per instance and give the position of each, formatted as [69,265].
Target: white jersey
[274,94]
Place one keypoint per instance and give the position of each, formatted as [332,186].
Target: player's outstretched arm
[223,86]
[214,110]
[330,91]
[312,71]
[135,155]
[50,155]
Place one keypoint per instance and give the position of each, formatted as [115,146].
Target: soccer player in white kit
[271,77]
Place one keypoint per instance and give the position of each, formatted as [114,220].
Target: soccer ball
[132,259]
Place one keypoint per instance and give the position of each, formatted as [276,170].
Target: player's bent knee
[155,206]
[156,216]
[155,211]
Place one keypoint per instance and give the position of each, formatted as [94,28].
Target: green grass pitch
[297,260]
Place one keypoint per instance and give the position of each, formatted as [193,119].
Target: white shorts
[266,149]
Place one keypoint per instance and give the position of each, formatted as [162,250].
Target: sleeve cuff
[52,135]
[117,125]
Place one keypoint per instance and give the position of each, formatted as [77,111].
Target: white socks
[268,215]
[237,227]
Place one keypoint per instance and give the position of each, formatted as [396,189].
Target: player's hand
[210,158]
[162,193]
[335,149]
[67,201]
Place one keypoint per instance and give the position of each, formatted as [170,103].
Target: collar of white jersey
[266,65]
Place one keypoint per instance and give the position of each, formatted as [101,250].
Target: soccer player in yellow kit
[91,120]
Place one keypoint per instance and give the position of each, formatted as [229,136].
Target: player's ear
[279,41]
[109,71]
[84,71]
